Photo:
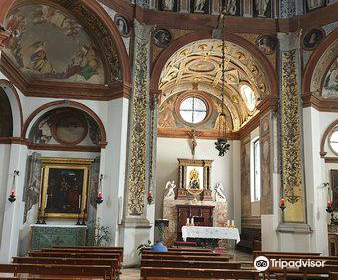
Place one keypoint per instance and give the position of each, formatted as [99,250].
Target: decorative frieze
[139,122]
[291,141]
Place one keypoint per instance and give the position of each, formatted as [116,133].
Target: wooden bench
[333,276]
[88,247]
[102,255]
[256,254]
[160,272]
[187,253]
[185,257]
[307,272]
[98,271]
[113,263]
[182,250]
[190,264]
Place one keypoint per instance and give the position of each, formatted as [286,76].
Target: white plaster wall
[170,149]
[236,181]
[5,151]
[316,173]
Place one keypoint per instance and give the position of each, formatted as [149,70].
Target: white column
[13,213]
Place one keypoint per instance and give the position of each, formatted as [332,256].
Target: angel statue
[170,190]
[219,195]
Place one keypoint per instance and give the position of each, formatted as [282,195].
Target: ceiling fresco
[330,87]
[198,64]
[52,45]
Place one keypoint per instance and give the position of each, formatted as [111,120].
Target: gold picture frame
[194,177]
[64,187]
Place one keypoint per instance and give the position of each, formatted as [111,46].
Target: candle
[79,201]
[46,201]
[12,192]
[228,222]
[192,221]
[99,195]
[233,223]
[188,222]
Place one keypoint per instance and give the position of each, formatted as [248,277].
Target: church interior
[168,139]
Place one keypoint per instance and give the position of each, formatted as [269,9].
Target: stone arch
[325,136]
[314,75]
[16,107]
[194,36]
[59,104]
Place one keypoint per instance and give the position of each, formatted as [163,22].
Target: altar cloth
[210,233]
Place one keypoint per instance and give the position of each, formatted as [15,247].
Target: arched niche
[9,91]
[47,126]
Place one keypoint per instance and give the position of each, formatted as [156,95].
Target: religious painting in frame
[64,187]
[194,178]
[334,186]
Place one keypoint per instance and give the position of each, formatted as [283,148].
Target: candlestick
[233,223]
[188,222]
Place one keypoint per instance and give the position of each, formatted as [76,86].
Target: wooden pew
[255,254]
[187,253]
[82,250]
[185,257]
[308,272]
[160,272]
[182,250]
[113,263]
[333,276]
[102,255]
[99,271]
[88,247]
[190,264]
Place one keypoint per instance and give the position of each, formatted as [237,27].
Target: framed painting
[64,187]
[194,178]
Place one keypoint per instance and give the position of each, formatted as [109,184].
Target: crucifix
[193,135]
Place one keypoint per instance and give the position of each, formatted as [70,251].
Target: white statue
[261,6]
[199,5]
[230,7]
[170,190]
[313,4]
[219,195]
[168,5]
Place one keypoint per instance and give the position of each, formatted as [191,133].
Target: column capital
[289,41]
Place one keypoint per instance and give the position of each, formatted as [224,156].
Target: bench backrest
[190,264]
[160,272]
[187,253]
[184,257]
[76,255]
[51,269]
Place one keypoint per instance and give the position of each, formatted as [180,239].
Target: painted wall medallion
[162,38]
[122,25]
[267,44]
[69,128]
[312,38]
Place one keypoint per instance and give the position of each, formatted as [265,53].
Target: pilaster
[292,158]
[141,163]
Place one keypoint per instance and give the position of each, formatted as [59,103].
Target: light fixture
[99,198]
[222,145]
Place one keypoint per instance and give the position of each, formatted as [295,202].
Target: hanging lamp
[222,145]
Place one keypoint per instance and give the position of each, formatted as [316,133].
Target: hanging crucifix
[193,135]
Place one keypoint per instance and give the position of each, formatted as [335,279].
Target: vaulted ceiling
[198,65]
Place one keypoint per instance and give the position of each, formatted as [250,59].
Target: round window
[193,110]
[333,140]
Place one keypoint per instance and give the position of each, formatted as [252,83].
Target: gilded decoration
[266,143]
[292,165]
[324,62]
[138,129]
[198,66]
